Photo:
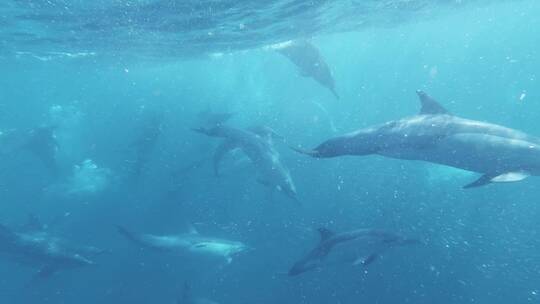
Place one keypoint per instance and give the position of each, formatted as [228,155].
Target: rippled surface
[183,28]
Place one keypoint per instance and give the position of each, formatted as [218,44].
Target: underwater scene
[280,151]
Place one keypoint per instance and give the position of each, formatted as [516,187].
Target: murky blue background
[107,65]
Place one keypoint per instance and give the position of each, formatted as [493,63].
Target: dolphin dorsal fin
[430,105]
[325,234]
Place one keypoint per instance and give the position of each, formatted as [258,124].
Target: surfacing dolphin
[500,154]
[257,144]
[192,243]
[358,247]
[309,61]
[35,246]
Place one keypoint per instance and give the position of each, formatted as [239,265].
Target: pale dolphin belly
[475,152]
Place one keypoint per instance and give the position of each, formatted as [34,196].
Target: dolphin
[142,146]
[434,135]
[35,246]
[188,298]
[41,142]
[357,247]
[191,242]
[257,144]
[309,61]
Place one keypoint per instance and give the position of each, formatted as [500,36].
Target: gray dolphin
[188,298]
[143,145]
[35,246]
[257,144]
[357,247]
[309,61]
[500,154]
[191,242]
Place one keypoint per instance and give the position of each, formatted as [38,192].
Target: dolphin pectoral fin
[498,178]
[228,260]
[482,181]
[511,177]
[429,105]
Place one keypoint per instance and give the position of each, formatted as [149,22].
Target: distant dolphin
[188,298]
[434,135]
[192,242]
[35,246]
[257,144]
[42,143]
[309,61]
[357,247]
[145,141]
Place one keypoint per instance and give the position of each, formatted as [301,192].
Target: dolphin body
[192,242]
[357,247]
[258,146]
[143,145]
[34,246]
[309,61]
[500,154]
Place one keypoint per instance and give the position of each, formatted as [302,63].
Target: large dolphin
[357,247]
[191,242]
[35,246]
[258,146]
[309,61]
[188,298]
[500,154]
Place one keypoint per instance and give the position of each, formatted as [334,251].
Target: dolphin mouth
[312,153]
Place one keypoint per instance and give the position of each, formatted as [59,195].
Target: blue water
[102,71]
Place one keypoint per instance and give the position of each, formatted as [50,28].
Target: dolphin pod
[357,247]
[434,135]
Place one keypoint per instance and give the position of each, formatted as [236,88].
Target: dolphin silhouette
[357,247]
[309,61]
[257,144]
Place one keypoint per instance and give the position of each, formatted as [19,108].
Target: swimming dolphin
[500,154]
[35,246]
[145,141]
[309,61]
[357,247]
[41,142]
[257,144]
[191,242]
[188,298]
